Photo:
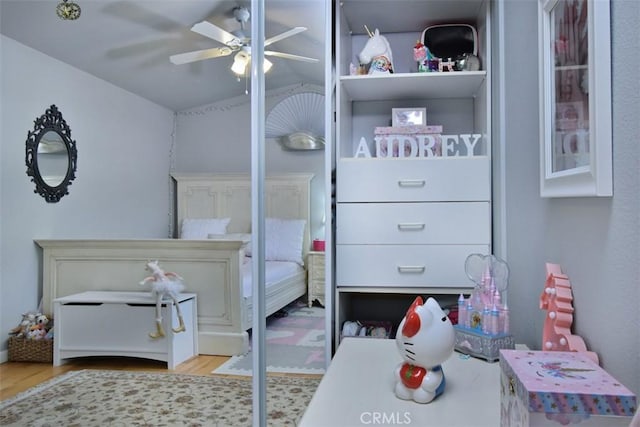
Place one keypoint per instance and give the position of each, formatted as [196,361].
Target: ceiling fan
[236,42]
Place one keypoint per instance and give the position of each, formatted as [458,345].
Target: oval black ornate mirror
[51,155]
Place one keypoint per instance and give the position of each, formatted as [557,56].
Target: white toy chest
[554,388]
[119,323]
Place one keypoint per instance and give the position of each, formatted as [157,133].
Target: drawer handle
[82,303]
[412,269]
[411,183]
[411,226]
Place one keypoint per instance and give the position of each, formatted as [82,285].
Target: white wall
[595,240]
[216,138]
[121,187]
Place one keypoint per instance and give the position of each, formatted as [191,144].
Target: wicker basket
[25,350]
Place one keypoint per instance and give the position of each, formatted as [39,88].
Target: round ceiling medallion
[68,10]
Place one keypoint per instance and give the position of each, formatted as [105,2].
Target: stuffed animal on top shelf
[164,283]
[425,339]
[377,53]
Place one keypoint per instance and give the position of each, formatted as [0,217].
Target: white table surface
[358,389]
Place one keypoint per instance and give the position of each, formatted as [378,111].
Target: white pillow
[284,239]
[200,228]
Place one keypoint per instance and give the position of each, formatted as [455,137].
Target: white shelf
[397,16]
[427,290]
[457,84]
[571,67]
[461,102]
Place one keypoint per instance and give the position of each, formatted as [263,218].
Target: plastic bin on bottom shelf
[366,329]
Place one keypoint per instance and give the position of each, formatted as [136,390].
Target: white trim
[329,98]
[501,165]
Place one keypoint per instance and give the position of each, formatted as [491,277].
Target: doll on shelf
[420,56]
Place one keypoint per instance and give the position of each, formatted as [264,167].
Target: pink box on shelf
[318,245]
[553,388]
[407,130]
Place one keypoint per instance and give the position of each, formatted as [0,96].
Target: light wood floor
[19,376]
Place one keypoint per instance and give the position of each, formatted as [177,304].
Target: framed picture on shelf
[408,117]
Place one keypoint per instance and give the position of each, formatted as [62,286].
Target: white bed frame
[210,268]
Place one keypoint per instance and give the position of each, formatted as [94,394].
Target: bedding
[200,228]
[274,272]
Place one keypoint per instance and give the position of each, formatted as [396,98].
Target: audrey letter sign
[422,145]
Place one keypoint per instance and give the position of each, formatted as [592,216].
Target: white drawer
[85,326]
[411,180]
[414,223]
[404,265]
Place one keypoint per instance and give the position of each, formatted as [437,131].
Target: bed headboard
[229,196]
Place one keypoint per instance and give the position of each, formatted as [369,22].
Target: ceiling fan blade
[289,33]
[214,32]
[290,56]
[199,55]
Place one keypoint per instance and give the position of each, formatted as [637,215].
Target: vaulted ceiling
[128,43]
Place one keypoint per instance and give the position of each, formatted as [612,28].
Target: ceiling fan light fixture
[267,65]
[240,62]
[68,10]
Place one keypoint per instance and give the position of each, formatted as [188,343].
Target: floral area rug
[295,341]
[90,398]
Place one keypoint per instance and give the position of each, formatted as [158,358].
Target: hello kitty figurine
[425,339]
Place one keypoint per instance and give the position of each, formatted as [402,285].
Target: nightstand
[315,278]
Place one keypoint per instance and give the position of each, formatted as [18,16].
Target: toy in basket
[32,339]
[425,339]
[483,318]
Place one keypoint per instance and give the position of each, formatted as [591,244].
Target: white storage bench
[119,323]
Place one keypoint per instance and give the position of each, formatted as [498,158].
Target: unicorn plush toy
[164,284]
[377,52]
[425,339]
